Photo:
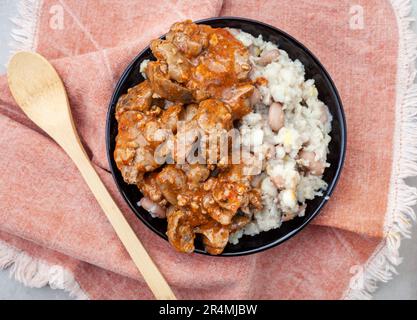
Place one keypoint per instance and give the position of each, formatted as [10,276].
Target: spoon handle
[134,247]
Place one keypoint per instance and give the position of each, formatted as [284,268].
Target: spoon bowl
[39,91]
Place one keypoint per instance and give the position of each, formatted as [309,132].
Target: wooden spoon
[39,91]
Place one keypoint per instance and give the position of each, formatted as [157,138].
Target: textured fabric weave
[47,210]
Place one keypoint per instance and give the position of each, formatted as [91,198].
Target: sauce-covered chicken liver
[200,77]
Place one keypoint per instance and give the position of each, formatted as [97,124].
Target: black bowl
[327,93]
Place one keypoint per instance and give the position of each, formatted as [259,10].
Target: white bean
[276,116]
[316,167]
[286,216]
[268,56]
[256,97]
[257,180]
[154,209]
[279,181]
[324,117]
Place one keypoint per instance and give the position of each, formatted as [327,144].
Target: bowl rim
[331,185]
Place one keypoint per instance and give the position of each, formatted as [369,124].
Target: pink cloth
[47,210]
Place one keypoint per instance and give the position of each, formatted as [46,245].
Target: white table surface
[403,286]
